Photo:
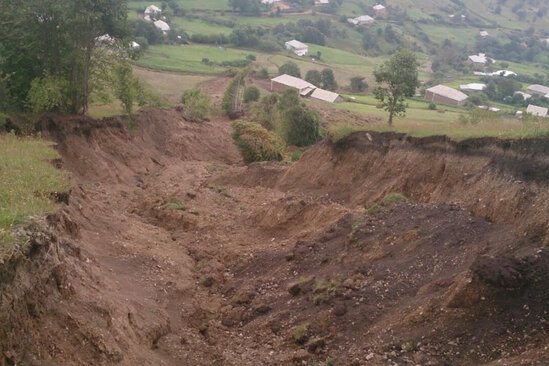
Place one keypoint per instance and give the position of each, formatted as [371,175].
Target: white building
[322,2]
[473,87]
[152,10]
[162,25]
[269,2]
[534,110]
[483,34]
[300,49]
[362,20]
[380,10]
[326,96]
[538,89]
[479,60]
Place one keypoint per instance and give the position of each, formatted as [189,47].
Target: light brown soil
[172,252]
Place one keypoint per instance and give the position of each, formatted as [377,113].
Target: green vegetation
[399,79]
[387,201]
[197,105]
[300,126]
[232,98]
[27,181]
[256,143]
[251,94]
[290,68]
[300,334]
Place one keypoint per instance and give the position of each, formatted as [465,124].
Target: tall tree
[398,79]
[55,38]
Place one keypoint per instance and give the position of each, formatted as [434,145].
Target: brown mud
[170,251]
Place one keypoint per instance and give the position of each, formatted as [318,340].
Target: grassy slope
[27,177]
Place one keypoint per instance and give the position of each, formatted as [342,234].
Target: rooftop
[296,44]
[448,92]
[293,82]
[537,111]
[325,95]
[473,86]
[540,89]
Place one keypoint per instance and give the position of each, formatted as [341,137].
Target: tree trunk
[86,77]
[392,106]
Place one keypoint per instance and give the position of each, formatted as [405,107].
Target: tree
[197,105]
[56,38]
[251,94]
[256,143]
[300,126]
[397,79]
[358,84]
[246,7]
[314,77]
[290,68]
[328,79]
[232,98]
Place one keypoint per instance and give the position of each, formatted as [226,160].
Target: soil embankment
[171,251]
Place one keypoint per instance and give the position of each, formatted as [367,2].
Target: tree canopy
[54,40]
[397,79]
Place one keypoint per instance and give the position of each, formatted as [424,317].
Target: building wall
[278,87]
[432,97]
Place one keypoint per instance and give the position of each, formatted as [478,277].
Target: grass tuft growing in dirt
[28,179]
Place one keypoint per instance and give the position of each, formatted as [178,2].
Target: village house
[446,95]
[478,60]
[152,11]
[473,87]
[380,10]
[304,88]
[483,34]
[162,25]
[361,20]
[285,81]
[524,95]
[534,110]
[300,49]
[538,90]
[269,2]
[326,96]
[322,2]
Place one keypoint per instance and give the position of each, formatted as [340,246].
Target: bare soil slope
[171,252]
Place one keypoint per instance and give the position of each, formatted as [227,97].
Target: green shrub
[432,106]
[358,84]
[49,93]
[197,105]
[256,143]
[263,73]
[251,94]
[231,103]
[300,126]
[265,112]
[290,68]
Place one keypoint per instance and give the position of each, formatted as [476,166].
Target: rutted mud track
[171,252]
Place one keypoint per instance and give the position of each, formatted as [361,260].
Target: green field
[188,58]
[27,178]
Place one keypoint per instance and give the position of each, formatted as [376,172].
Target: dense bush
[197,105]
[256,143]
[358,84]
[290,68]
[48,94]
[251,94]
[300,126]
[265,112]
[231,103]
[314,77]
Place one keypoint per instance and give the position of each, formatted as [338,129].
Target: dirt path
[178,254]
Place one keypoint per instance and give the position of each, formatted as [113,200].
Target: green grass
[27,178]
[199,26]
[189,58]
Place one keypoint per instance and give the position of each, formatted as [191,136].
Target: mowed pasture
[189,58]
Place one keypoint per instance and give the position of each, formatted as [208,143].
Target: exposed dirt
[171,252]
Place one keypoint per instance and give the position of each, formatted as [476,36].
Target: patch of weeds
[217,199]
[373,209]
[175,204]
[330,361]
[328,287]
[199,265]
[296,155]
[219,189]
[321,299]
[300,334]
[389,200]
[355,242]
[194,211]
[410,347]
